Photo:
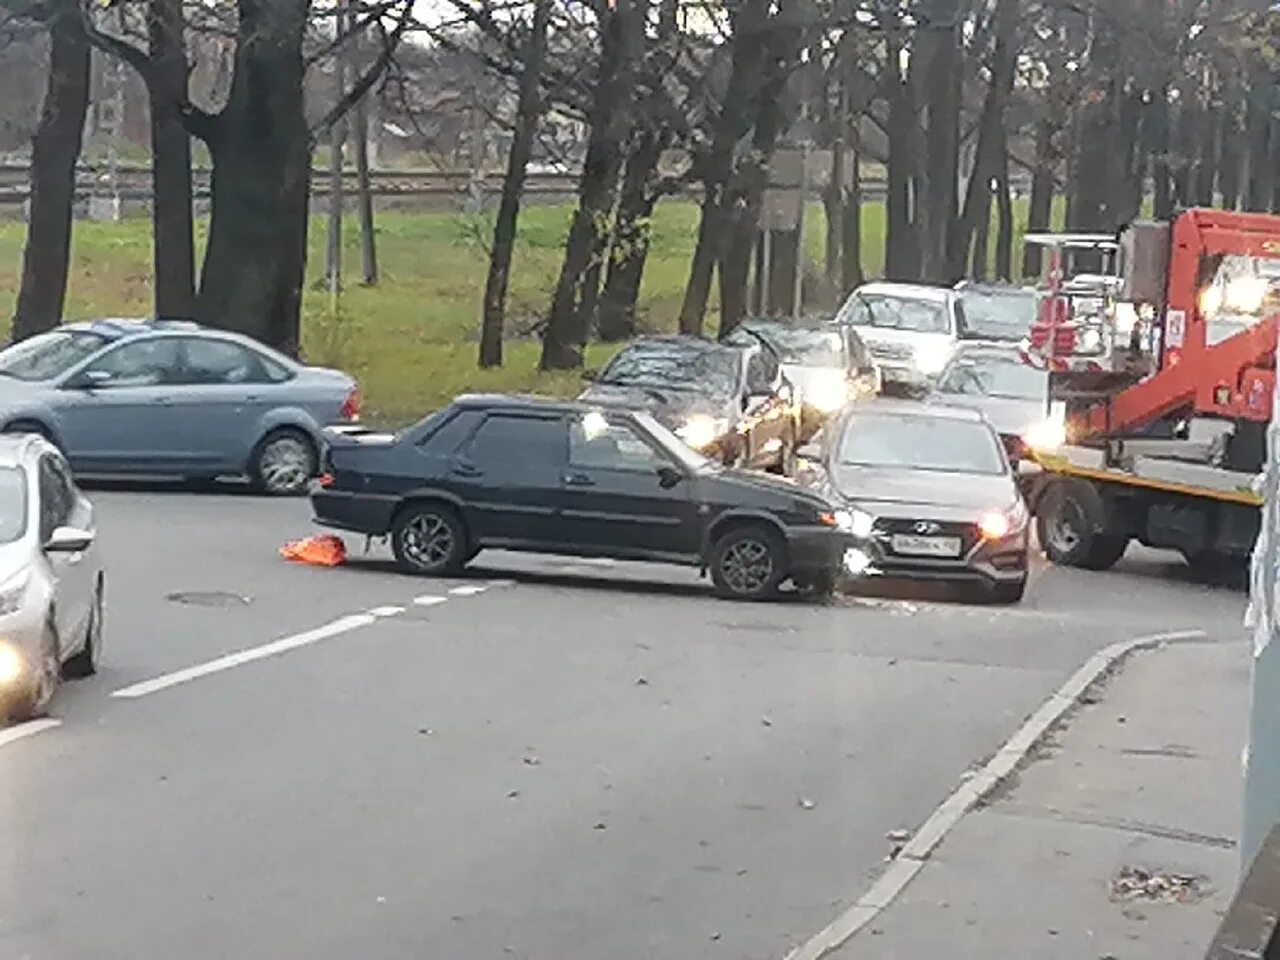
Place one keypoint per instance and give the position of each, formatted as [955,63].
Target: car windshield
[917,442]
[803,346]
[713,371]
[688,457]
[13,504]
[994,376]
[49,355]
[903,313]
[998,314]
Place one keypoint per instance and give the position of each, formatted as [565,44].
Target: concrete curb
[911,860]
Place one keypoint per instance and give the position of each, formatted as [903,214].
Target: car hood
[14,558]
[812,378]
[668,405]
[893,492]
[765,486]
[1008,416]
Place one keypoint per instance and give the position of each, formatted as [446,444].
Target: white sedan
[51,577]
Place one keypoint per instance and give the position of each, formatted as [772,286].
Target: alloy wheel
[285,465]
[428,541]
[747,566]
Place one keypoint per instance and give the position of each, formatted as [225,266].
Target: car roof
[995,288]
[117,328]
[912,408]
[527,403]
[677,341]
[918,291]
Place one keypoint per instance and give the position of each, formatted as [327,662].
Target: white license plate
[926,546]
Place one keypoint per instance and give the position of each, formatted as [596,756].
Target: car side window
[210,362]
[855,312]
[447,437]
[56,498]
[138,363]
[611,446]
[508,446]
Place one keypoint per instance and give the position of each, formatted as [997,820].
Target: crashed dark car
[931,496]
[575,479]
[731,403]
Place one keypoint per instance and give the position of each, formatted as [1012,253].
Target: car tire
[748,563]
[85,663]
[1069,517]
[283,463]
[429,539]
[33,703]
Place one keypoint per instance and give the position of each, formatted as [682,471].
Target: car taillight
[351,405]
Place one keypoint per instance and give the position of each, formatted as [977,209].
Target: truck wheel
[1070,523]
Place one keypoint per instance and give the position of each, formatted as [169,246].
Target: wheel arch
[733,520]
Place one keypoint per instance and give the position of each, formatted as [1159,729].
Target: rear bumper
[357,513]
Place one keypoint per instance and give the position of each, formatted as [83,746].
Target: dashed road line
[428,600]
[29,729]
[468,590]
[382,612]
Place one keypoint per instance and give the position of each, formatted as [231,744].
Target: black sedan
[931,496]
[576,479]
[733,404]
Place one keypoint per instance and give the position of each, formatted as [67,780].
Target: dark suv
[579,479]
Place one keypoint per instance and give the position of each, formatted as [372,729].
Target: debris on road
[512,794]
[1139,883]
[767,721]
[324,550]
[898,836]
[600,825]
[642,682]
[531,760]
[806,803]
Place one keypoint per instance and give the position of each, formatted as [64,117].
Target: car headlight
[857,522]
[1091,341]
[930,358]
[999,524]
[701,431]
[1046,436]
[12,665]
[12,593]
[827,396]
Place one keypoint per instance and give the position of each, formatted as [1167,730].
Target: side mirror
[669,477]
[69,540]
[90,379]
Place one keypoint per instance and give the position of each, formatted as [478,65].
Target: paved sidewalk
[1116,842]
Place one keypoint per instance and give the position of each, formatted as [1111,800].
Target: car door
[117,413]
[508,474]
[770,426]
[622,495]
[61,506]
[223,391]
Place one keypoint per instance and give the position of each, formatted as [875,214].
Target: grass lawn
[412,340]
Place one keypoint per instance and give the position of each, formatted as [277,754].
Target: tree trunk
[1004,214]
[631,238]
[364,189]
[567,324]
[851,225]
[735,266]
[55,150]
[902,256]
[337,143]
[1231,161]
[702,267]
[940,47]
[173,238]
[261,151]
[528,112]
[1158,145]
[1040,206]
[833,202]
[1207,162]
[1258,130]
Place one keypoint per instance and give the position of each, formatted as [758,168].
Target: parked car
[996,311]
[172,398]
[51,577]
[577,479]
[911,330]
[1012,394]
[828,365]
[734,404]
[931,496]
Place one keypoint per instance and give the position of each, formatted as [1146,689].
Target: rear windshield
[998,314]
[1008,378]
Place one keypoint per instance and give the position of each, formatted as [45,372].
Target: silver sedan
[51,577]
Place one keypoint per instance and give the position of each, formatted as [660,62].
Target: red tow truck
[1164,382]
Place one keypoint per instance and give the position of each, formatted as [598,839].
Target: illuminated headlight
[999,524]
[12,593]
[857,522]
[856,562]
[827,396]
[12,666]
[1090,341]
[701,431]
[930,358]
[1045,436]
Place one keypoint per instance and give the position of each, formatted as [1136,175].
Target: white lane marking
[428,600]
[468,590]
[29,729]
[386,611]
[911,860]
[276,647]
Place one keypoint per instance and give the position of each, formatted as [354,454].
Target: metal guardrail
[1249,928]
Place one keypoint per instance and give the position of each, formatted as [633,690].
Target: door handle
[466,470]
[578,480]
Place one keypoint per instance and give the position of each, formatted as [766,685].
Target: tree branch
[362,86]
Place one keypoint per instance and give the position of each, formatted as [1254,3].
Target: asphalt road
[550,759]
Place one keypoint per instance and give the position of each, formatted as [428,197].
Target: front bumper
[22,632]
[988,562]
[816,549]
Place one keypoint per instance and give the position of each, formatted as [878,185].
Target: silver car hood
[14,558]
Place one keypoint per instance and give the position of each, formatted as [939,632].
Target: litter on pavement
[324,550]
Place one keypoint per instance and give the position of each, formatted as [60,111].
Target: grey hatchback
[172,398]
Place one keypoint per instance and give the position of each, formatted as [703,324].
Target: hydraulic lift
[1166,407]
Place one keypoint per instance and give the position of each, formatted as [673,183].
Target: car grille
[967,532]
[891,351]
